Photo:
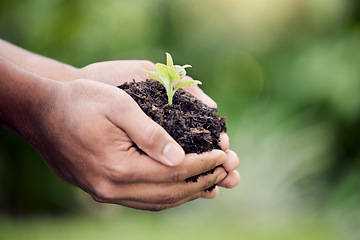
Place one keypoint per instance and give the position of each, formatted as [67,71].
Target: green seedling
[170,75]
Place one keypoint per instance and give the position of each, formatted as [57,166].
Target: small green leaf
[186,83]
[169,60]
[168,73]
[181,70]
[157,76]
[182,73]
[186,66]
[183,67]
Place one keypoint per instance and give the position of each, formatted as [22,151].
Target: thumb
[149,136]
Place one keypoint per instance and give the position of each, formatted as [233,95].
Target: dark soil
[195,126]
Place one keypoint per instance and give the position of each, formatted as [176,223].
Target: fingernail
[221,177]
[173,154]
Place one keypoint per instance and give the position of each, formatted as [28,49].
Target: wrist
[59,72]
[40,65]
[24,99]
[38,108]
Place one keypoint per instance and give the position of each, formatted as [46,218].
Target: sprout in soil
[170,75]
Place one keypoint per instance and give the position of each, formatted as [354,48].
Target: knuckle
[179,175]
[119,174]
[221,159]
[124,98]
[104,193]
[153,135]
[171,197]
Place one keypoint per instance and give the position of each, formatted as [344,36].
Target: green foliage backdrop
[285,73]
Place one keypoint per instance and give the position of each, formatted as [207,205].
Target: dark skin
[84,128]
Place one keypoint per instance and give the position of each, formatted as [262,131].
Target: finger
[224,141]
[136,68]
[158,207]
[199,94]
[116,72]
[147,134]
[163,193]
[232,161]
[212,194]
[141,168]
[231,180]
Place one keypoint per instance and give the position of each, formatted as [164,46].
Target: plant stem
[170,96]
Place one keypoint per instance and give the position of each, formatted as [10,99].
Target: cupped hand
[87,136]
[117,72]
[232,160]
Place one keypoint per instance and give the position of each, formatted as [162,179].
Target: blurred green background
[286,73]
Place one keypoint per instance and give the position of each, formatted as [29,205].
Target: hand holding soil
[118,72]
[96,125]
[86,131]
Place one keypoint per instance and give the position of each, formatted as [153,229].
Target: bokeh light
[286,74]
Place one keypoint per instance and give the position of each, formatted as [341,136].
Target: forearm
[23,97]
[37,64]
